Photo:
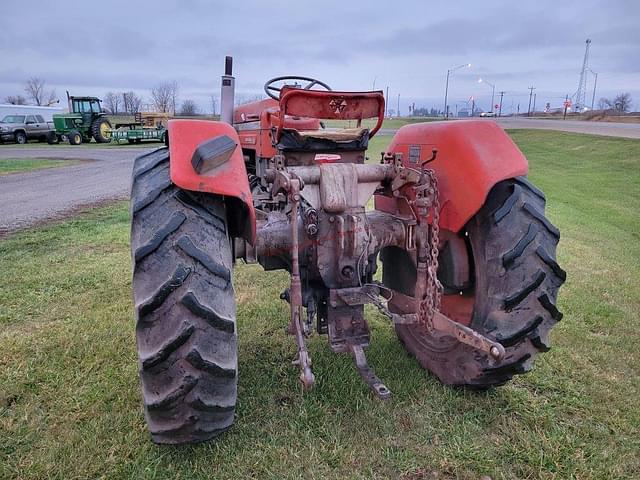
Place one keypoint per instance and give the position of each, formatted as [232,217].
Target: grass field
[18,165]
[388,123]
[93,144]
[70,405]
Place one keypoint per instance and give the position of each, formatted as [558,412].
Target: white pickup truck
[22,128]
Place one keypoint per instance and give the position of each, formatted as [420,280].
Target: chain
[380,305]
[433,292]
[431,301]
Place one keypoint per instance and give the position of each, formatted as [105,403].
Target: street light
[493,90]
[446,88]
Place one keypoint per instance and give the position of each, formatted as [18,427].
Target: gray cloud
[407,46]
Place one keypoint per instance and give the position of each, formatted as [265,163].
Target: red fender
[473,155]
[228,178]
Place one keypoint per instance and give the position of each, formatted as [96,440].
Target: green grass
[18,165]
[70,401]
[388,123]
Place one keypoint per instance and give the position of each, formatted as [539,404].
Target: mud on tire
[516,283]
[185,307]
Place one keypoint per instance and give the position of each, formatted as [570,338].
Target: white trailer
[46,112]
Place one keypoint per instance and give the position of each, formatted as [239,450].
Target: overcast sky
[405,45]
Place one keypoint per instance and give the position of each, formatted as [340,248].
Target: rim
[105,130]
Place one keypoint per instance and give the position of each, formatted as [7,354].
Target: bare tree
[112,101]
[242,99]
[604,104]
[188,108]
[214,104]
[622,102]
[164,96]
[35,88]
[131,103]
[16,100]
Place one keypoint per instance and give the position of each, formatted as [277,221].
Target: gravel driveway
[32,197]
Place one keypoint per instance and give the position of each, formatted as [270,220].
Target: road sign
[567,103]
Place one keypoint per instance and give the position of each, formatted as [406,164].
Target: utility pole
[534,104]
[566,105]
[500,109]
[446,88]
[398,111]
[446,92]
[531,89]
[386,102]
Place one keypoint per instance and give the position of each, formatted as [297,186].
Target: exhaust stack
[227,92]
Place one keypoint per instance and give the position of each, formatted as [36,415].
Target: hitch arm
[464,334]
[303,360]
[443,324]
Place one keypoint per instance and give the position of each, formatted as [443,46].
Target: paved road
[32,197]
[628,130]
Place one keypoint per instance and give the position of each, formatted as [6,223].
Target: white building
[46,112]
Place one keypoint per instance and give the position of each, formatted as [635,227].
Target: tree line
[36,92]
[621,103]
[164,99]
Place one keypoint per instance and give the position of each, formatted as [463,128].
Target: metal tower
[580,100]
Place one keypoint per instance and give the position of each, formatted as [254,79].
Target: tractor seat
[324,140]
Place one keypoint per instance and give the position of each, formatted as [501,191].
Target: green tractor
[85,120]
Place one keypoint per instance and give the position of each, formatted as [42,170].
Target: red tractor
[469,277]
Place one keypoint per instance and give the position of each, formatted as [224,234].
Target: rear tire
[185,306]
[516,284]
[21,138]
[101,130]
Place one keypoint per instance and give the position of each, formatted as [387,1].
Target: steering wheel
[270,88]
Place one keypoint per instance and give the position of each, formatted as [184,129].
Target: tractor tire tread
[163,291]
[526,183]
[160,235]
[148,161]
[539,216]
[152,195]
[517,251]
[518,278]
[213,318]
[507,206]
[185,307]
[215,268]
